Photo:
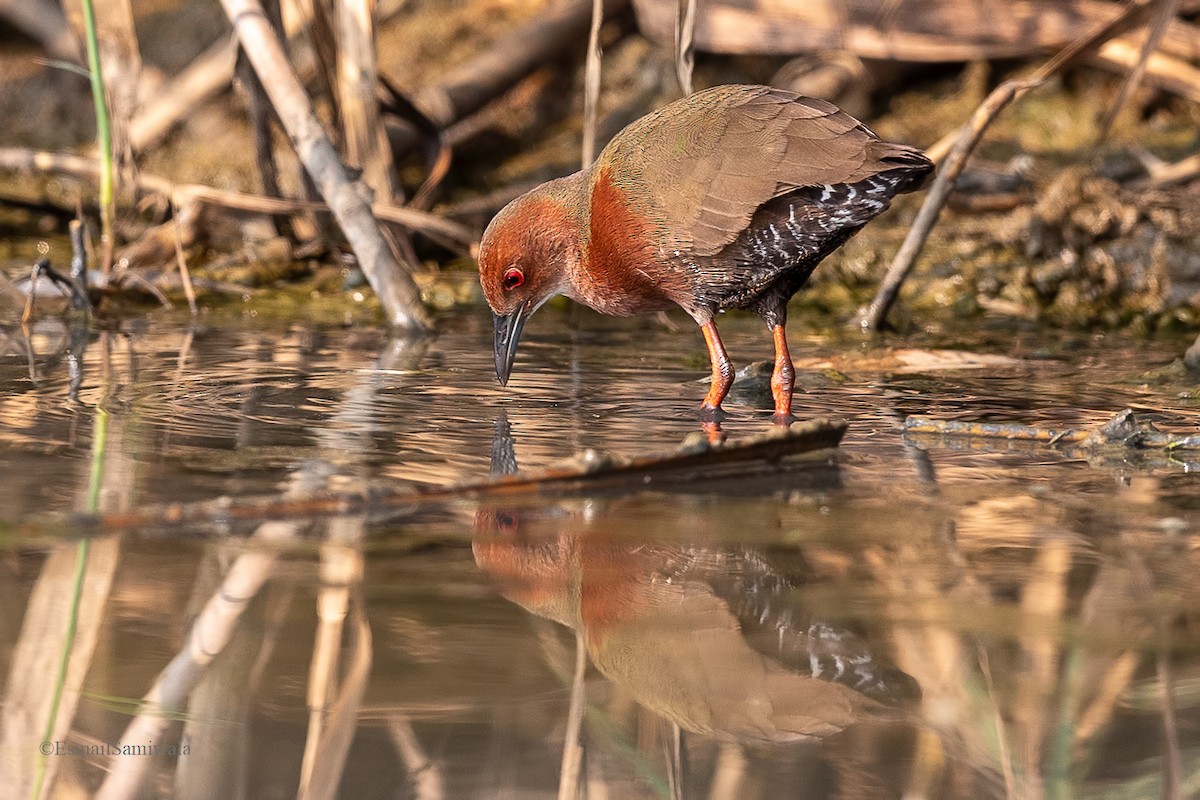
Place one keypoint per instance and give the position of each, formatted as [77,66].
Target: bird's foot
[783,418]
[712,430]
[710,421]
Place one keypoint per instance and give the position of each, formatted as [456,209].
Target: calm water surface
[906,618]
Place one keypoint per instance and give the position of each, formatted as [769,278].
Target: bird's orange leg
[783,378]
[722,370]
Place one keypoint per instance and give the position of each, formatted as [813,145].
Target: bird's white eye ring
[513,278]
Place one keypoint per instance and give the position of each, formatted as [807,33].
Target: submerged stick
[1121,430]
[694,460]
[346,198]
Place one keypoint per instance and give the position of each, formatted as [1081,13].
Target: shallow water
[909,617]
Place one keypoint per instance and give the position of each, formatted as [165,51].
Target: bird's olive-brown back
[696,170]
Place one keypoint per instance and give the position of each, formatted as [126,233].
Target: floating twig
[1123,430]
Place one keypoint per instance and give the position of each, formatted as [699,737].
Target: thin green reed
[103,134]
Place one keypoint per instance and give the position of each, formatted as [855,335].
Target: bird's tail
[907,168]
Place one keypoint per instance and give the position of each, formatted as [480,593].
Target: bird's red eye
[513,278]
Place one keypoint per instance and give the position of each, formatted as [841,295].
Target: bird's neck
[568,199]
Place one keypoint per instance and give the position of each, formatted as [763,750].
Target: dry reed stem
[1154,36]
[1162,71]
[425,774]
[957,146]
[471,86]
[571,767]
[591,86]
[1081,48]
[1181,171]
[967,137]
[185,274]
[363,136]
[346,198]
[685,54]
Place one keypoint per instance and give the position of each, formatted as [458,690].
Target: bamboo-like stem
[103,137]
[346,198]
[572,756]
[685,54]
[363,136]
[591,86]
[1154,35]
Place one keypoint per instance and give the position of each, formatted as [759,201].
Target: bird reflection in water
[711,638]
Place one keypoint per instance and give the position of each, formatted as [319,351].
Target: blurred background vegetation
[1078,208]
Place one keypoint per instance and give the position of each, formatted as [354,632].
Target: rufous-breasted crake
[727,198]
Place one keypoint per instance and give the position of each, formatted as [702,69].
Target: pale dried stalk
[572,756]
[209,634]
[346,198]
[966,138]
[685,55]
[591,86]
[364,139]
[341,568]
[424,772]
[1158,27]
[1162,71]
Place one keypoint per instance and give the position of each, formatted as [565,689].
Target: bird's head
[528,254]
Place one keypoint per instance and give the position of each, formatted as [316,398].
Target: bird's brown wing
[706,163]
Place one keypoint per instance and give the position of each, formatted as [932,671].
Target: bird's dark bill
[508,333]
